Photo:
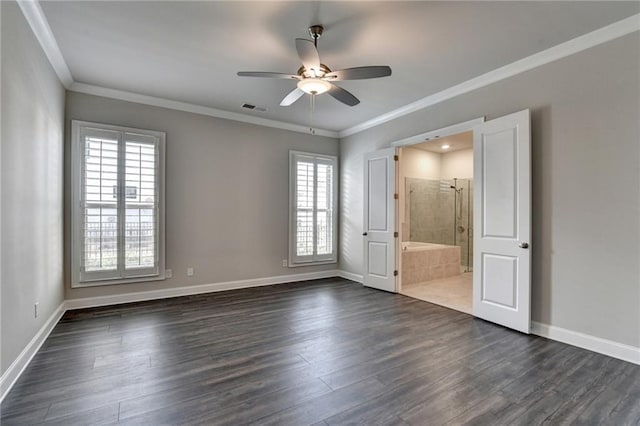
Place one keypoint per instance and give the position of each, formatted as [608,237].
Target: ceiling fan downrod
[315,31]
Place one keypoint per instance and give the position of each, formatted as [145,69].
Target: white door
[502,223]
[379,220]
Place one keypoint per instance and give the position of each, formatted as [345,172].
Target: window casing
[117,222]
[313,195]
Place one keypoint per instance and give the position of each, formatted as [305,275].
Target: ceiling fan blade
[292,97]
[359,73]
[343,96]
[308,54]
[267,75]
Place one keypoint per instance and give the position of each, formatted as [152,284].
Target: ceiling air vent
[253,107]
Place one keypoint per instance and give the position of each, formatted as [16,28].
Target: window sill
[321,262]
[99,283]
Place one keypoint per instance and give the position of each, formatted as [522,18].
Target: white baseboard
[349,276]
[13,373]
[586,341]
[91,302]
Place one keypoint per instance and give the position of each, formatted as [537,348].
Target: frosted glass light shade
[314,86]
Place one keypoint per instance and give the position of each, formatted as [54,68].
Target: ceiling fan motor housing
[302,71]
[316,31]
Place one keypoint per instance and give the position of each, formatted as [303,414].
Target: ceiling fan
[315,78]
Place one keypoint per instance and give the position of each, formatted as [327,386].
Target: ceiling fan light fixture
[314,86]
[315,78]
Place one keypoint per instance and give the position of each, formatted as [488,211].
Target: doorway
[436,221]
[501,229]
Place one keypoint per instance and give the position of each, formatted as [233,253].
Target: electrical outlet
[189,272]
[35,309]
[284,263]
[168,273]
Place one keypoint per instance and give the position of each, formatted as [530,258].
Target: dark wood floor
[322,352]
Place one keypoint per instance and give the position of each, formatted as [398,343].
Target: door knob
[523,245]
[364,234]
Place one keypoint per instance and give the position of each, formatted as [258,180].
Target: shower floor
[453,292]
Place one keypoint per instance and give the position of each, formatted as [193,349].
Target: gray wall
[226,196]
[586,203]
[32,161]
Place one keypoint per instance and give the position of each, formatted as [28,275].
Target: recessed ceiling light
[445,146]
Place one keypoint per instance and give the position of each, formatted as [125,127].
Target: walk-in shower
[440,211]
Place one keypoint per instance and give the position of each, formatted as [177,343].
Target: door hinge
[395,273]
[395,234]
[395,158]
[395,196]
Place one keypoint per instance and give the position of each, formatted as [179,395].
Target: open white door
[502,223]
[379,220]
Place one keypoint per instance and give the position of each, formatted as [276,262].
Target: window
[313,218]
[118,204]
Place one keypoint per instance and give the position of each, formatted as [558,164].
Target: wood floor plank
[104,415]
[595,382]
[322,352]
[388,405]
[321,407]
[20,416]
[237,407]
[261,380]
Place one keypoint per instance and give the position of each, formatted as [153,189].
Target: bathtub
[415,246]
[427,261]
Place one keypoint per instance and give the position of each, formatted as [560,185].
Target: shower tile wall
[434,215]
[431,204]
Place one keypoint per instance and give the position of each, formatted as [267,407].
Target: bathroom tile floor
[452,292]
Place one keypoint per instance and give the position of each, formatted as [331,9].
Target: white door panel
[378,190]
[379,220]
[378,259]
[502,276]
[502,175]
[499,203]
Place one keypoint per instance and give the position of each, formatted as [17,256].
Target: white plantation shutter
[118,214]
[304,207]
[324,208]
[313,198]
[98,203]
[141,205]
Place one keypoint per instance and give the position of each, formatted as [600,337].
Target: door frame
[442,132]
[428,136]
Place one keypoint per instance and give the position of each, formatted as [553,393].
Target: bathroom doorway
[498,174]
[436,221]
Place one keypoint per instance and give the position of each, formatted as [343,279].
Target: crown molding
[40,26]
[193,108]
[578,44]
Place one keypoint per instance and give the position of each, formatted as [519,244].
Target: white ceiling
[191,51]
[456,142]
